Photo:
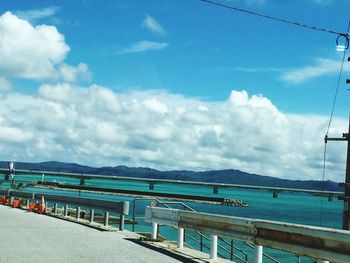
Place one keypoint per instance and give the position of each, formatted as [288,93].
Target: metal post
[180,238]
[106,218]
[92,215]
[133,215]
[346,209]
[201,241]
[78,213]
[65,210]
[55,209]
[121,222]
[258,254]
[213,247]
[154,231]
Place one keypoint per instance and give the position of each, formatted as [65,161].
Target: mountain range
[228,176]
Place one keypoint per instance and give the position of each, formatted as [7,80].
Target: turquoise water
[288,207]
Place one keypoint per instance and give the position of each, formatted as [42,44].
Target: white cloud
[322,67]
[5,85]
[34,52]
[96,126]
[72,74]
[151,24]
[37,14]
[144,46]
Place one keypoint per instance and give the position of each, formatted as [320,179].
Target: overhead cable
[282,20]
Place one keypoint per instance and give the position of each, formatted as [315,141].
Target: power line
[282,20]
[331,115]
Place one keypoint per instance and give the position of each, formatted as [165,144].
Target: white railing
[120,207]
[323,244]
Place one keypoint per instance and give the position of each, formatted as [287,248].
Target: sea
[289,207]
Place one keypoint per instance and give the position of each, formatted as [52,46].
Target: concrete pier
[30,237]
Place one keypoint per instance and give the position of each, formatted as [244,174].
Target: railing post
[213,247]
[106,218]
[78,212]
[180,238]
[92,215]
[133,215]
[66,210]
[258,254]
[55,209]
[121,222]
[154,230]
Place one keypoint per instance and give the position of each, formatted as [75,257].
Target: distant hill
[229,176]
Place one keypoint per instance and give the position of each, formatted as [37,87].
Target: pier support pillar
[154,230]
[213,247]
[180,238]
[258,254]
[275,194]
[216,189]
[151,186]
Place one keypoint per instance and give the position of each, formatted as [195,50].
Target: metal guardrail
[202,237]
[314,242]
[120,207]
[152,182]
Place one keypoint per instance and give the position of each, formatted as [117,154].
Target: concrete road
[28,237]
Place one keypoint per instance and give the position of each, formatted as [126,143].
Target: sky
[174,85]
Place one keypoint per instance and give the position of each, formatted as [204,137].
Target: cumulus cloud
[144,46]
[322,67]
[97,126]
[72,74]
[151,24]
[34,52]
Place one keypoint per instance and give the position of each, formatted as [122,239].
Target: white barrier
[324,244]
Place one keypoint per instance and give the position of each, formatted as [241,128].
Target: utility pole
[346,198]
[346,185]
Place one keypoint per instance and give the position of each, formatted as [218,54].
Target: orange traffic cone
[42,206]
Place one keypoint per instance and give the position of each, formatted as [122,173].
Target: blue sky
[170,56]
[209,50]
